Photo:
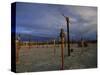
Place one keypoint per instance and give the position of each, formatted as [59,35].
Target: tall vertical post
[62,35]
[68,38]
[37,44]
[54,46]
[47,44]
[17,49]
[29,43]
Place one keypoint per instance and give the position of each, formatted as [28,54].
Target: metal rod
[29,43]
[17,49]
[54,46]
[62,48]
[62,54]
[68,38]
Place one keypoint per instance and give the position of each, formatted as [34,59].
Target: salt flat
[43,58]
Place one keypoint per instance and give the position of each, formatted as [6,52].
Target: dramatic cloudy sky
[46,20]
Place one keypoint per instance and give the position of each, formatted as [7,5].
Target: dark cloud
[46,20]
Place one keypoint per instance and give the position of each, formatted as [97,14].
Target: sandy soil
[44,59]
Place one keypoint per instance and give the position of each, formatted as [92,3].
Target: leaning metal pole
[68,38]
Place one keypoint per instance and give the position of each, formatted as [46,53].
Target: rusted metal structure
[17,49]
[62,35]
[54,47]
[29,44]
[68,37]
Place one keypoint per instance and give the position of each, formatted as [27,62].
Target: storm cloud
[46,20]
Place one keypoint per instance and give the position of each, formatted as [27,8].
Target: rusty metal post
[68,38]
[17,49]
[47,44]
[37,44]
[29,44]
[54,46]
[62,35]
